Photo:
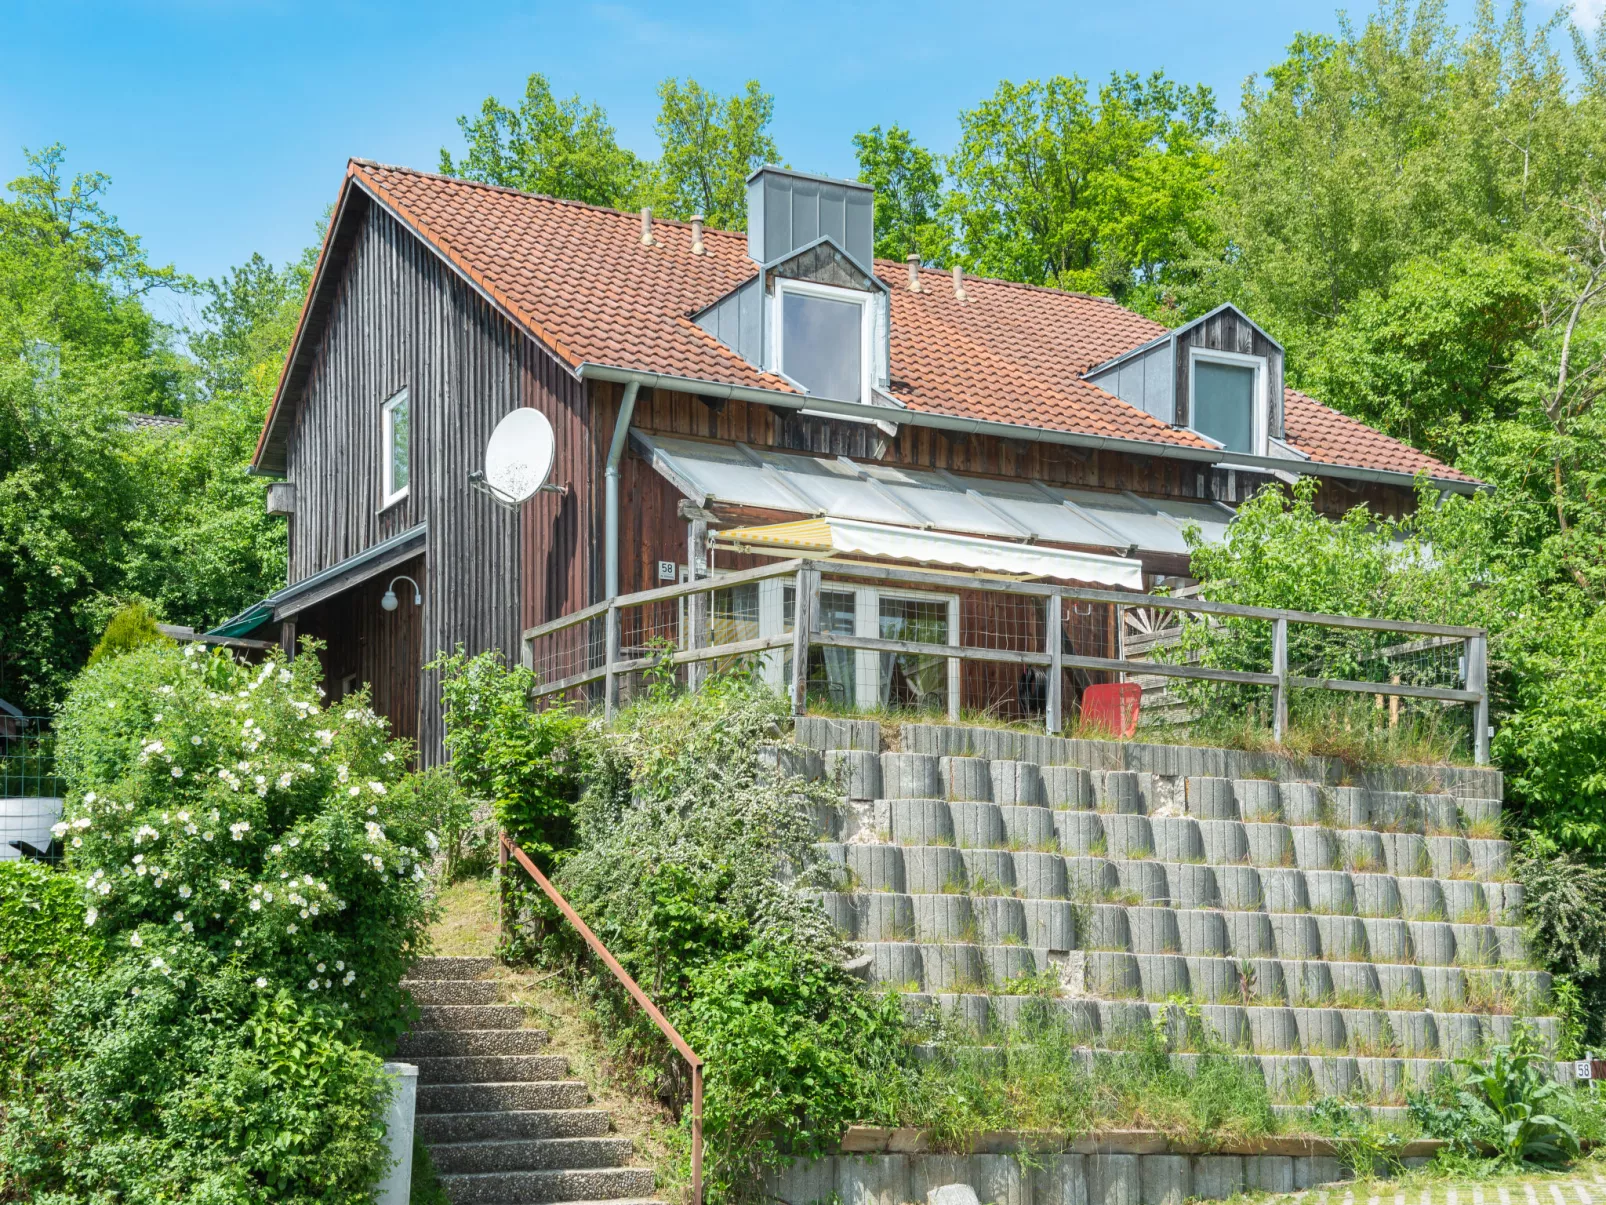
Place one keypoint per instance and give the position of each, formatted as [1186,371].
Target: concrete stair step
[492,1068]
[443,1043]
[461,967]
[532,1187]
[453,991]
[469,1016]
[489,1097]
[537,1154]
[512,1124]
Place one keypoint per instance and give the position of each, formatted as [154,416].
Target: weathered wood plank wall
[1227,331]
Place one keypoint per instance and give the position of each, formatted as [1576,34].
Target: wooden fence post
[1054,698]
[1279,666]
[611,654]
[805,609]
[1477,654]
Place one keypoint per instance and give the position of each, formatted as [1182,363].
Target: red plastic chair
[1113,707]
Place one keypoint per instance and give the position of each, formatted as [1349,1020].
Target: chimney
[959,283]
[646,227]
[914,273]
[787,210]
[697,247]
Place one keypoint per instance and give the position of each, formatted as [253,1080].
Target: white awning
[827,536]
[929,499]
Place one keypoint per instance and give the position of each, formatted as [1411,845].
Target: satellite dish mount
[518,460]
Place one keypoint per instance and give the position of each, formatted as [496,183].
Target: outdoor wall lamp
[389,601]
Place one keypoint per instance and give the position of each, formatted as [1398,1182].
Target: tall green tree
[562,148]
[909,194]
[1052,186]
[711,143]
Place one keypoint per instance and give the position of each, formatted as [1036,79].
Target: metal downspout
[616,451]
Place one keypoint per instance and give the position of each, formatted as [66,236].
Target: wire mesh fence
[886,639]
[27,758]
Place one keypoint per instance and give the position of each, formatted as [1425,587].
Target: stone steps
[503,1123]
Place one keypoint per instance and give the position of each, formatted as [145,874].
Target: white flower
[350,975]
[135,940]
[313,984]
[261,982]
[268,895]
[138,858]
[60,829]
[291,928]
[304,914]
[157,962]
[275,849]
[207,836]
[373,810]
[285,780]
[432,841]
[256,905]
[320,968]
[91,916]
[294,841]
[178,918]
[178,772]
[77,842]
[140,871]
[105,887]
[224,883]
[355,791]
[342,773]
[90,797]
[195,740]
[239,828]
[184,892]
[339,966]
[188,927]
[378,788]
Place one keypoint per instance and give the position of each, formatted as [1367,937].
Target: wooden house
[718,399]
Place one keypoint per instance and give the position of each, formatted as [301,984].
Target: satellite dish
[518,458]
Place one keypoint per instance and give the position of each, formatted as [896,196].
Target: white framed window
[395,448]
[824,339]
[1227,401]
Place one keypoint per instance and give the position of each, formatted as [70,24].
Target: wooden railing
[680,1044]
[806,576]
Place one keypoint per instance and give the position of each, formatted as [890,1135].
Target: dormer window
[823,338]
[1227,402]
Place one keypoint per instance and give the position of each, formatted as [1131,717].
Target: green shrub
[43,944]
[521,759]
[251,864]
[1564,903]
[1506,1104]
[131,627]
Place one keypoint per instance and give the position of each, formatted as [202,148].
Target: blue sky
[226,124]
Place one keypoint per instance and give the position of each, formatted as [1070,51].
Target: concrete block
[1068,787]
[1343,938]
[966,778]
[1406,855]
[1040,876]
[1287,1076]
[1512,896]
[1249,934]
[1112,974]
[1192,886]
[920,822]
[1383,1079]
[884,916]
[1000,1180]
[1109,927]
[1164,1179]
[942,918]
[1367,1032]
[857,772]
[953,1194]
[1440,814]
[1162,975]
[1302,802]
[1361,850]
[1153,930]
[1081,1018]
[1017,782]
[1490,859]
[1476,945]
[1091,878]
[1421,899]
[1283,889]
[1387,940]
[1004,966]
[1225,842]
[1203,933]
[1269,844]
[1321,1029]
[1335,1075]
[805,1182]
[1176,839]
[1228,1023]
[1146,879]
[950,967]
[1448,855]
[1113,1180]
[999,920]
[1049,924]
[1331,891]
[1128,836]
[1273,1030]
[897,964]
[878,867]
[1397,811]
[1401,985]
[1238,887]
[1446,989]
[1460,1035]
[1376,894]
[1512,943]
[977,825]
[1080,833]
[1433,942]
[1295,935]
[933,870]
[1308,983]
[1122,1019]
[1117,791]
[1217,1177]
[989,871]
[1268,1173]
[1212,799]
[910,776]
[1059,1180]
[1259,799]
[1029,827]
[872,1179]
[1310,1171]
[1214,979]
[841,908]
[1315,848]
[820,732]
[1479,811]
[1356,983]
[1349,807]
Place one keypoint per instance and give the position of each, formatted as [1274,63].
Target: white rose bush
[253,862]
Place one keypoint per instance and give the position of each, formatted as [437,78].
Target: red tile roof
[579,279]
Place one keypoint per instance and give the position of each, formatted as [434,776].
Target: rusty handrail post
[501,889]
[601,951]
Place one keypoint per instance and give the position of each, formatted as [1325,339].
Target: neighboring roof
[151,422]
[578,278]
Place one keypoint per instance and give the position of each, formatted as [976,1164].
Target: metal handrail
[682,1047]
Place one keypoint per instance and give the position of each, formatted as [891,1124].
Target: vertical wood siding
[1226,331]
